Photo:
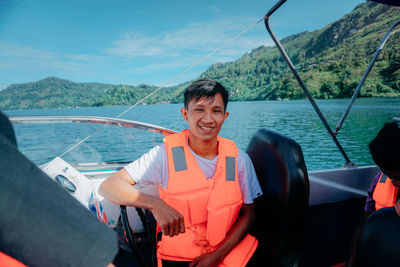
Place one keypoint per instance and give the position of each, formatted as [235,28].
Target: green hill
[331,61]
[58,93]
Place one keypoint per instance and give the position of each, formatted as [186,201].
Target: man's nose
[207,117]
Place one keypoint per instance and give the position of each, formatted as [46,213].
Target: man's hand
[119,189]
[206,260]
[170,220]
[397,207]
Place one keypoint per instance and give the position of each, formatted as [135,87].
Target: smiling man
[206,187]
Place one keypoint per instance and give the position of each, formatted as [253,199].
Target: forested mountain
[330,60]
[58,93]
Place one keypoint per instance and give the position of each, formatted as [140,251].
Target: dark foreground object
[380,240]
[41,224]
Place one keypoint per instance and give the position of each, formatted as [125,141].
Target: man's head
[205,109]
[385,151]
[205,88]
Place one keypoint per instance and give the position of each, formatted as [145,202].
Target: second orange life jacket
[385,193]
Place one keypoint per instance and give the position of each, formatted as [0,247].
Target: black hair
[385,147]
[205,88]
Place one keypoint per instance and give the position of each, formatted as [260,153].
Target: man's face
[205,117]
[394,176]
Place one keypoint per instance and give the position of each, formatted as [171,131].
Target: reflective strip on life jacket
[385,193]
[178,155]
[209,206]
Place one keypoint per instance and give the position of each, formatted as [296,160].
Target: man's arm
[119,189]
[233,237]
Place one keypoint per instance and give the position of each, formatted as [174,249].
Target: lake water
[295,119]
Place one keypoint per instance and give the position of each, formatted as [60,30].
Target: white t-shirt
[152,169]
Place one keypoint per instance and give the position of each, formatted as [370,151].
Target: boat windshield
[47,135]
[111,142]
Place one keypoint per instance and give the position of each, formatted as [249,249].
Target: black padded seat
[379,243]
[41,224]
[281,210]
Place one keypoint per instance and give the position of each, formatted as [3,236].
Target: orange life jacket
[209,206]
[385,193]
[8,261]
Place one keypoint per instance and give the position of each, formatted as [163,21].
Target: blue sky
[135,42]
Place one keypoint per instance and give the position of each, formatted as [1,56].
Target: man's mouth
[206,128]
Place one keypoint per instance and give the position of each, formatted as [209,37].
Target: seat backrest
[281,210]
[379,242]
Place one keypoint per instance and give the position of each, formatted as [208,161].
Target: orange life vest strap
[236,258]
[239,256]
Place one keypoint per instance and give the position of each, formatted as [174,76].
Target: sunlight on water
[295,119]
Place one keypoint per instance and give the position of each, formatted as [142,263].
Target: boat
[315,213]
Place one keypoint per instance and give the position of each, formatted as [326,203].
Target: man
[383,191]
[206,187]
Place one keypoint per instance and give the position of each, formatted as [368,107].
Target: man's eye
[198,109]
[217,111]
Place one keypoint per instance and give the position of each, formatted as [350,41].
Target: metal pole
[300,81]
[360,84]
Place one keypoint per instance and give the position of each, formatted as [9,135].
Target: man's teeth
[206,128]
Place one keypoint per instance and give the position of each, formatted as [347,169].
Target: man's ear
[226,115]
[184,113]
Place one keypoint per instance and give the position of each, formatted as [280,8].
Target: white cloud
[135,47]
[10,50]
[17,59]
[83,57]
[195,38]
[216,9]
[137,56]
[26,53]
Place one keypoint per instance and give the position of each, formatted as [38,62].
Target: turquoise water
[295,119]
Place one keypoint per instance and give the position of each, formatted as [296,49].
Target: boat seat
[379,242]
[281,210]
[40,223]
